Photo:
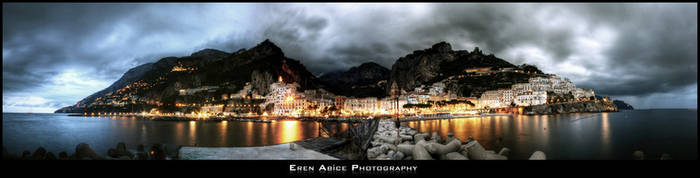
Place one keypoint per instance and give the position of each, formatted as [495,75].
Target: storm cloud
[641,53]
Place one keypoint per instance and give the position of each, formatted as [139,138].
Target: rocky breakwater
[574,107]
[83,151]
[405,143]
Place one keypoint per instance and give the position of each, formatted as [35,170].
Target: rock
[538,155]
[26,154]
[157,152]
[397,156]
[121,147]
[50,156]
[406,137]
[450,137]
[408,158]
[376,151]
[419,137]
[388,139]
[504,152]
[464,151]
[638,155]
[376,143]
[140,147]
[124,158]
[39,154]
[665,156]
[440,149]
[436,137]
[406,149]
[141,156]
[490,152]
[453,156]
[291,146]
[63,156]
[383,157]
[476,151]
[496,157]
[419,152]
[390,153]
[83,151]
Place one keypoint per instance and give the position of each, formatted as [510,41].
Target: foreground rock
[408,144]
[538,155]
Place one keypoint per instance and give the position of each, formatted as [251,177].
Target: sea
[576,136]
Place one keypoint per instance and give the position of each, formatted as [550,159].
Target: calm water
[582,136]
[564,136]
[59,132]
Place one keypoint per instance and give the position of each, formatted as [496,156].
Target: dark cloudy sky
[645,54]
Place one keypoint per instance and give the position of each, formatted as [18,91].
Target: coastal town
[283,99]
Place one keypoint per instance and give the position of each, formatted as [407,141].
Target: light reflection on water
[579,135]
[59,132]
[563,136]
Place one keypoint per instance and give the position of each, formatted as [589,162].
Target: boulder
[406,149]
[436,137]
[406,137]
[453,156]
[475,150]
[419,137]
[376,151]
[440,149]
[638,155]
[419,152]
[408,158]
[496,157]
[39,154]
[83,151]
[141,156]
[121,147]
[665,156]
[450,137]
[538,155]
[50,156]
[120,151]
[397,156]
[388,139]
[123,158]
[63,156]
[140,147]
[26,154]
[504,152]
[383,157]
[157,152]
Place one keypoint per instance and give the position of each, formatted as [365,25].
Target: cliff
[442,64]
[157,85]
[366,80]
[588,106]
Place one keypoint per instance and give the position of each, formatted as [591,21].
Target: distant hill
[366,80]
[157,84]
[442,64]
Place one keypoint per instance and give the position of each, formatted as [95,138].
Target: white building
[532,93]
[491,99]
[388,105]
[531,98]
[436,89]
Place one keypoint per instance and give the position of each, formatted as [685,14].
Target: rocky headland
[574,107]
